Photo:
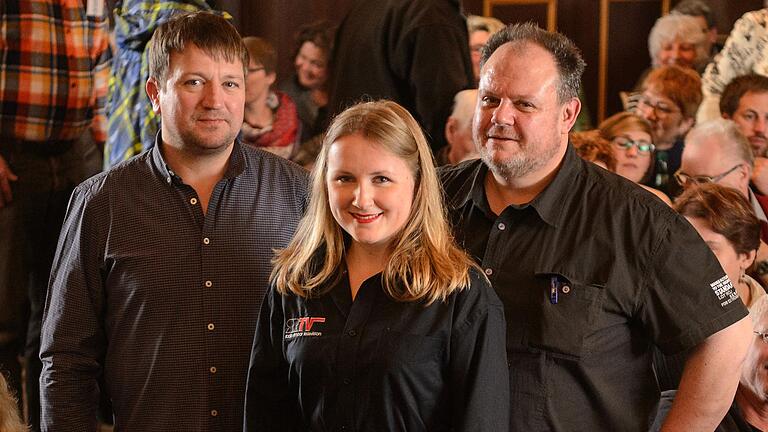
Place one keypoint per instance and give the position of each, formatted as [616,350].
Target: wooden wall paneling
[523,10]
[623,46]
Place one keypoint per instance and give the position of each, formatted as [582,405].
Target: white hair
[729,137]
[684,28]
[464,106]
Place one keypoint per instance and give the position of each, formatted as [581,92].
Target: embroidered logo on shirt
[298,327]
[724,291]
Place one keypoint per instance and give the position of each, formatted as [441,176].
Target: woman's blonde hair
[425,263]
[10,420]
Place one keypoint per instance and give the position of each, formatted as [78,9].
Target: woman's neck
[362,263]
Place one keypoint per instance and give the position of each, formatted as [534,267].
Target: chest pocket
[565,312]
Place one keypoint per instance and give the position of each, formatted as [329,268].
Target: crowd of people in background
[417,230]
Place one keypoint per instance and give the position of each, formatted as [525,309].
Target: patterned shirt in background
[745,51]
[54,70]
[132,123]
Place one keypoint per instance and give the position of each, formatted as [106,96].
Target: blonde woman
[376,320]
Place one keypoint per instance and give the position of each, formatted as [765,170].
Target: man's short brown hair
[737,88]
[209,31]
[681,85]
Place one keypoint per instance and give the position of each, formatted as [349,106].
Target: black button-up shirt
[592,272]
[375,364]
[160,297]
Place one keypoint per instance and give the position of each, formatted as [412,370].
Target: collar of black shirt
[237,161]
[548,204]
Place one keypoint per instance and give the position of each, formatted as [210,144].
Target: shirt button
[489,271]
[501,226]
[213,369]
[206,240]
[210,326]
[193,201]
[214,413]
[168,180]
[347,381]
[566,289]
[208,284]
[352,333]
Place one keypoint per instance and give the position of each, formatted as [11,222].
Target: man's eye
[193,82]
[231,84]
[489,100]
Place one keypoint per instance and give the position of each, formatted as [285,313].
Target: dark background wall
[626,51]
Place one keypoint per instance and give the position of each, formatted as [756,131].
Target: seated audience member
[480,30]
[631,139]
[717,152]
[10,418]
[458,130]
[269,121]
[745,101]
[700,10]
[744,52]
[590,146]
[307,88]
[749,410]
[677,40]
[375,319]
[669,99]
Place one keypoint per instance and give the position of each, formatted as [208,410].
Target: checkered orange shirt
[55,70]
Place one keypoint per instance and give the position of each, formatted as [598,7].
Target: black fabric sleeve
[73,342]
[270,405]
[687,296]
[479,375]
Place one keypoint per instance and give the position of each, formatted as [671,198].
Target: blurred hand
[6,177]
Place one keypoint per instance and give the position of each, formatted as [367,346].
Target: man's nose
[504,113]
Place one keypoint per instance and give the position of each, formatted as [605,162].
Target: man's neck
[753,409]
[200,171]
[503,192]
[666,145]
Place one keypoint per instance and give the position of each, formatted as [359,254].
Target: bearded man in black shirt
[592,269]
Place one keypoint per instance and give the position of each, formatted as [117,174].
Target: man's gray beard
[518,166]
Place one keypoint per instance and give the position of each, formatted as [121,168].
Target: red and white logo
[297,327]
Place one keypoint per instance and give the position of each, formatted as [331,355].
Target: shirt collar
[548,204]
[237,162]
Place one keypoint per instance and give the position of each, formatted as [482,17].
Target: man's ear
[685,125]
[153,91]
[450,129]
[571,111]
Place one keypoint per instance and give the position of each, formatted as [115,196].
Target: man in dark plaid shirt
[53,87]
[163,260]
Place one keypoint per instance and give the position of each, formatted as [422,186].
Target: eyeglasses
[661,109]
[686,180]
[763,336]
[626,144]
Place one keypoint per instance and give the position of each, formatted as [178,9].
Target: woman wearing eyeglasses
[631,138]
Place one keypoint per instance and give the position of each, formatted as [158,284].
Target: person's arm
[709,380]
[478,373]
[6,177]
[73,343]
[269,402]
[737,58]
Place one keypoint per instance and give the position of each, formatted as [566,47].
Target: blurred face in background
[311,66]
[257,82]
[633,150]
[477,39]
[677,52]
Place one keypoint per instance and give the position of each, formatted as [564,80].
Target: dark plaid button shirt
[160,298]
